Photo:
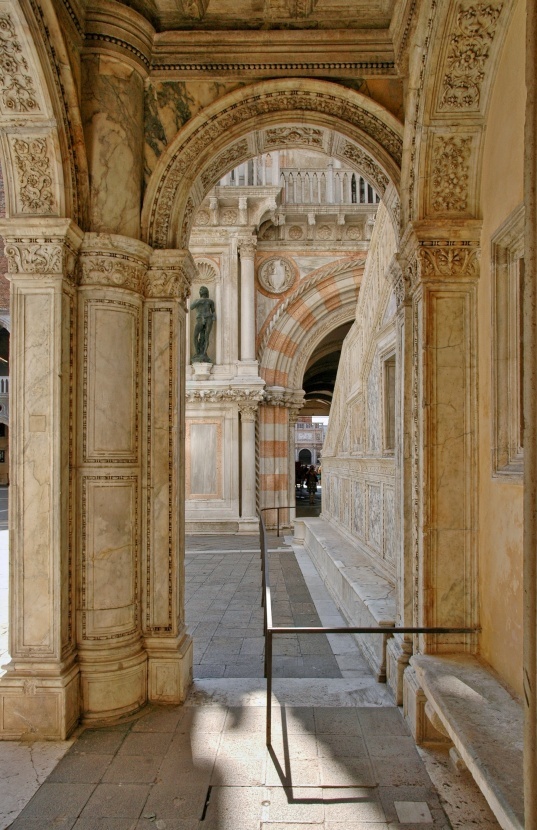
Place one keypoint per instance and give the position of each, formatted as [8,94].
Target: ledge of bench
[362,592]
[485,724]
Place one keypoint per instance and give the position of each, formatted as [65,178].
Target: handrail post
[268,664]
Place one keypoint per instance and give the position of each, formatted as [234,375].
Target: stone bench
[459,697]
[362,592]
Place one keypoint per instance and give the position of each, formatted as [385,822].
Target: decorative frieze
[115,270]
[17,90]
[225,395]
[294,136]
[450,171]
[468,55]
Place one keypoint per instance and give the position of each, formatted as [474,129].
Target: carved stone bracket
[113,260]
[41,247]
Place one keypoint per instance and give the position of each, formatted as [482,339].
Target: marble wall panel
[109,566]
[110,381]
[359,509]
[374,424]
[204,440]
[389,524]
[374,516]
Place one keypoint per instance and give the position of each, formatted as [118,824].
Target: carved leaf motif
[223,163]
[294,135]
[35,179]
[16,86]
[468,54]
[450,174]
[112,270]
[34,258]
[448,261]
[367,165]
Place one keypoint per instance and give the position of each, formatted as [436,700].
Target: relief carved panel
[35,190]
[17,89]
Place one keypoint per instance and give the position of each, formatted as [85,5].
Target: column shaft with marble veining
[39,691]
[167,643]
[247,316]
[112,104]
[113,662]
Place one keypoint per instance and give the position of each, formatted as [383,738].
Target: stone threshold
[364,594]
[485,724]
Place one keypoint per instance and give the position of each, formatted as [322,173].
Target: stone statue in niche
[205,317]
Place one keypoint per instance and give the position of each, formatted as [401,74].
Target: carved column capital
[41,247]
[247,247]
[248,410]
[114,261]
[431,253]
[170,275]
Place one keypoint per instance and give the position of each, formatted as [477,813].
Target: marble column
[113,663]
[112,103]
[399,647]
[39,696]
[248,521]
[167,642]
[293,414]
[248,364]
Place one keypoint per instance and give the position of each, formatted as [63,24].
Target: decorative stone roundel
[296,232]
[276,275]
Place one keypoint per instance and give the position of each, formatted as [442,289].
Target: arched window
[354,198]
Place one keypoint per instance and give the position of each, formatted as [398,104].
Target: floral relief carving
[468,54]
[451,157]
[32,160]
[365,163]
[112,269]
[34,258]
[171,283]
[448,260]
[224,162]
[294,135]
[16,85]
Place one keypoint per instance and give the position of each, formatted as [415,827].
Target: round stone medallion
[276,275]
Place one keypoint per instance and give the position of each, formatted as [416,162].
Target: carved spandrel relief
[450,174]
[17,89]
[468,55]
[276,275]
[35,191]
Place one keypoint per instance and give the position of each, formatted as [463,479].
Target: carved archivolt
[468,54]
[365,163]
[224,162]
[179,167]
[310,136]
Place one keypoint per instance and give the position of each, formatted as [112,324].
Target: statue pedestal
[202,371]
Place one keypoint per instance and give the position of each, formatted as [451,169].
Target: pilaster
[248,522]
[442,270]
[39,691]
[247,364]
[167,642]
[113,663]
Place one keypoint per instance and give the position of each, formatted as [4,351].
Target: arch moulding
[216,138]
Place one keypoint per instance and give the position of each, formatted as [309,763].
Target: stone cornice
[338,53]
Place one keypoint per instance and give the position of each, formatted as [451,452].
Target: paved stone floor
[341,757]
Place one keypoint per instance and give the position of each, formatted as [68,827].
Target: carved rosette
[448,260]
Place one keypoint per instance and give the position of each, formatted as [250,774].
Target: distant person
[311,483]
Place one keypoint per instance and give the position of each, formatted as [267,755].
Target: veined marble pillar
[442,395]
[113,662]
[168,645]
[248,522]
[39,696]
[112,103]
[248,364]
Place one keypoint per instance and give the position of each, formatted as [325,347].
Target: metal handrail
[270,630]
[278,508]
